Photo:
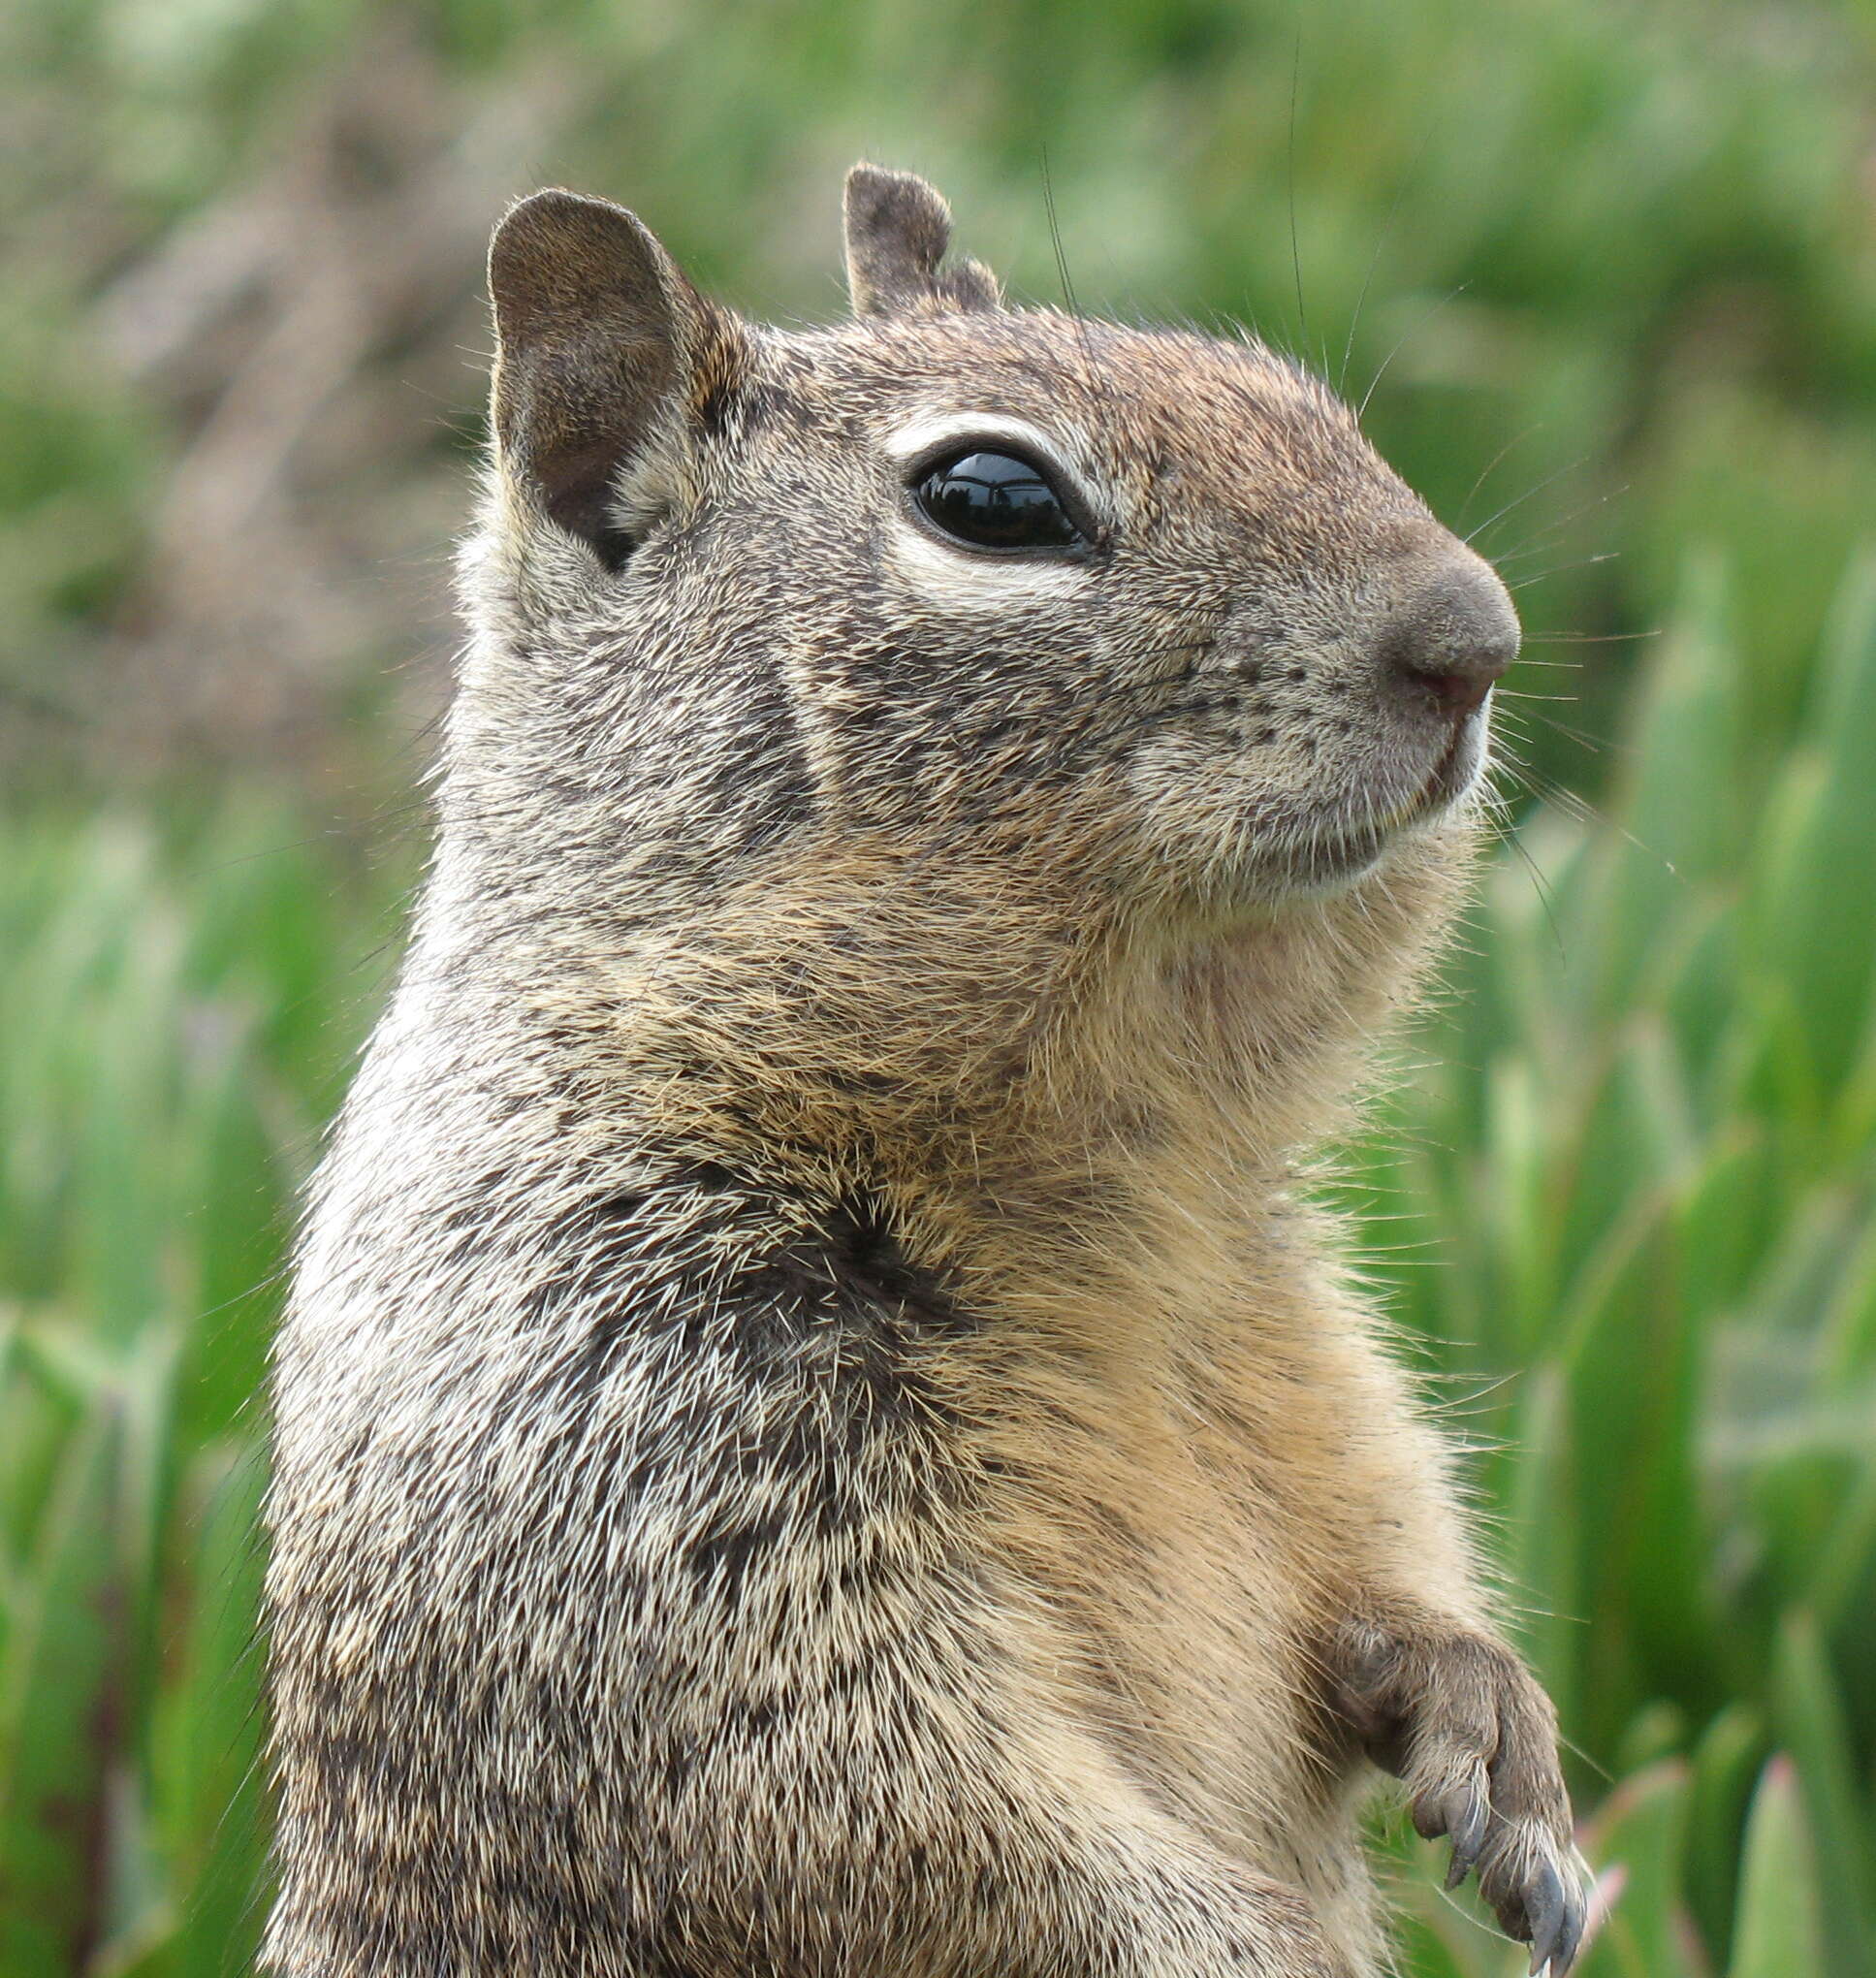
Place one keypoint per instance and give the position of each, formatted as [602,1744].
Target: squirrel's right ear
[604,355]
[897,229]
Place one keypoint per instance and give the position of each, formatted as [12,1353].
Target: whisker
[1373,260]
[1573,803]
[1296,256]
[1413,328]
[1549,535]
[1544,891]
[1590,639]
[1485,472]
[1560,569]
[1054,238]
[1090,369]
[1596,744]
[1537,488]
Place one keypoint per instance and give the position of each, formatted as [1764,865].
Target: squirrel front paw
[1469,1730]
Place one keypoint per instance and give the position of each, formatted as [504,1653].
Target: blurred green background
[1615,269]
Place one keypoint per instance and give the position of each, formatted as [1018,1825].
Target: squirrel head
[1142,602]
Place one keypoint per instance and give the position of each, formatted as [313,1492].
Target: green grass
[1625,1208]
[179,1016]
[1642,1171]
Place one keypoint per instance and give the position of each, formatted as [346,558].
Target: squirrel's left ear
[605,356]
[897,229]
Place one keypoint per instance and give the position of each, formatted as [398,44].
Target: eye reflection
[995,501]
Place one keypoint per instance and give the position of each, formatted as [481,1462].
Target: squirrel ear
[602,347]
[897,231]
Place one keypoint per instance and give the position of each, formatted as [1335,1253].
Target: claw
[1467,1826]
[1546,1906]
[1569,1932]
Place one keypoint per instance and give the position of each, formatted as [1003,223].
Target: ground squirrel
[819,1431]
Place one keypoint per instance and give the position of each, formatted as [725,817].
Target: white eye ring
[963,580]
[935,432]
[954,575]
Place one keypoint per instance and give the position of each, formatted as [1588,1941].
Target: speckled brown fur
[819,1431]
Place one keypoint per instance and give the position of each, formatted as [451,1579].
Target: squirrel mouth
[1452,775]
[1448,779]
[1340,861]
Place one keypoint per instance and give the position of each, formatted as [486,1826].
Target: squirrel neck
[952,1026]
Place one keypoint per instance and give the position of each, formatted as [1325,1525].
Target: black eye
[995,501]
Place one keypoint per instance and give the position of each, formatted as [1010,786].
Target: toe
[1570,1932]
[1452,1797]
[1469,1823]
[1534,1890]
[1544,1906]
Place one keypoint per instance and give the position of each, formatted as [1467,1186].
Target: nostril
[1452,639]
[1458,688]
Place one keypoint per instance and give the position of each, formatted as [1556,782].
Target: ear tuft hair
[898,228]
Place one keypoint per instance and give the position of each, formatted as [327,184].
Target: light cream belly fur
[1184,1502]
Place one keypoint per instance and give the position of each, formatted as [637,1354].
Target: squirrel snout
[1451,636]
